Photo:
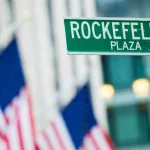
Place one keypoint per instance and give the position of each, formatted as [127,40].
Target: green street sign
[108,36]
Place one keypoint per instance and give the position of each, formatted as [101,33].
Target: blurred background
[119,84]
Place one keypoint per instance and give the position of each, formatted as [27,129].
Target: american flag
[55,136]
[75,127]
[16,121]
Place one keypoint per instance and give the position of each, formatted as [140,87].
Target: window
[129,125]
[121,71]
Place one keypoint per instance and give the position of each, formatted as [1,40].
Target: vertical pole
[6,27]
[5,14]
[80,61]
[96,77]
[26,37]
[65,75]
[45,54]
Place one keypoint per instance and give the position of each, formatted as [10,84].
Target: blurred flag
[82,125]
[16,127]
[56,135]
[75,127]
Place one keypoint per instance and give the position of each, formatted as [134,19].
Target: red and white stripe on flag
[97,139]
[3,141]
[3,137]
[56,136]
[19,133]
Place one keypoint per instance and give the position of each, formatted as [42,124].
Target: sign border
[106,53]
[108,18]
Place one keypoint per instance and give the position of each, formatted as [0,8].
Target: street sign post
[108,36]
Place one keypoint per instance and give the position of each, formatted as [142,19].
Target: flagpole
[66,80]
[7,27]
[96,77]
[5,14]
[27,42]
[46,58]
[80,61]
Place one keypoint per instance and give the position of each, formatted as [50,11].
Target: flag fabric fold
[77,128]
[72,128]
[17,126]
[56,135]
